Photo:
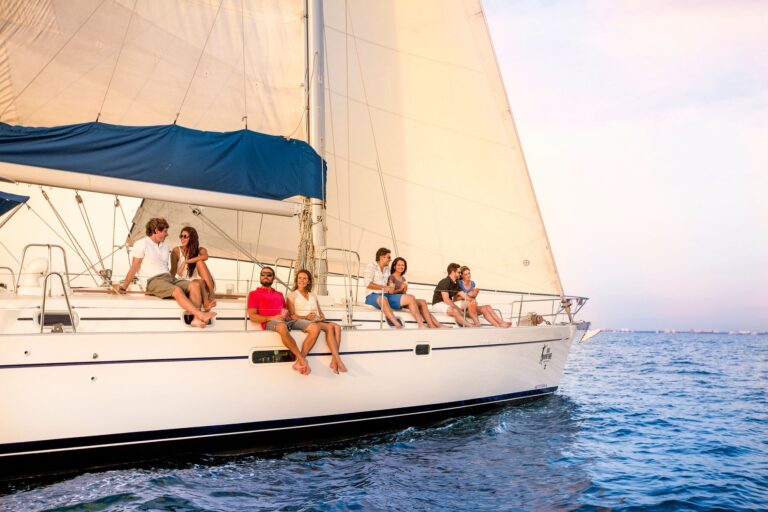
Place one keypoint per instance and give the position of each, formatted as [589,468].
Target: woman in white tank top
[188,262]
[304,308]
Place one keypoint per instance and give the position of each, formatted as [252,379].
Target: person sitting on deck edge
[444,295]
[375,278]
[150,255]
[267,306]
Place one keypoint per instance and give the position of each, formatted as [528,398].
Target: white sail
[143,62]
[414,102]
[213,66]
[419,99]
[225,233]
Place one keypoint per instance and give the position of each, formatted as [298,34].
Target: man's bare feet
[198,323]
[205,316]
[210,304]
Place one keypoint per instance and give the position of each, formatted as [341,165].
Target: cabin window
[422,349]
[57,317]
[272,356]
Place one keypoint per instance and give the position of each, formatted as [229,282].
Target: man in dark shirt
[445,291]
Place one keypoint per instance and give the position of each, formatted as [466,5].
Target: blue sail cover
[10,201]
[242,162]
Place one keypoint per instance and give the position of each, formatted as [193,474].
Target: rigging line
[245,88]
[198,213]
[239,231]
[114,229]
[89,228]
[199,59]
[375,143]
[117,60]
[308,77]
[51,228]
[13,100]
[349,168]
[347,271]
[119,204]
[9,252]
[253,264]
[75,246]
[122,212]
[114,251]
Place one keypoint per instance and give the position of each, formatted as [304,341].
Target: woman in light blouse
[304,309]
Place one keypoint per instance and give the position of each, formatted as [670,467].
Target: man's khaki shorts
[163,285]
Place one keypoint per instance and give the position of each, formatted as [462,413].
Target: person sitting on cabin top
[445,293]
[376,278]
[188,262]
[469,291]
[267,306]
[150,255]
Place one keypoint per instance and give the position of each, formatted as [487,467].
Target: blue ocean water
[641,422]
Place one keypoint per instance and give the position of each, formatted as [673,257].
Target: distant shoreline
[690,331]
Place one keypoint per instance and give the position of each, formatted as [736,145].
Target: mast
[316,130]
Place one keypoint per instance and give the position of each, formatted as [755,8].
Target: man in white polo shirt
[151,255]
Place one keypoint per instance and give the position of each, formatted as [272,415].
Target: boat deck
[97,310]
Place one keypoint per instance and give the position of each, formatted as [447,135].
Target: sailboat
[335,127]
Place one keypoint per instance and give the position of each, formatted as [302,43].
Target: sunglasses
[183,235]
[266,274]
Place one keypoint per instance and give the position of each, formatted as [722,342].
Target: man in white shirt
[376,278]
[151,255]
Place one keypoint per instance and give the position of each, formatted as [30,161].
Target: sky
[645,129]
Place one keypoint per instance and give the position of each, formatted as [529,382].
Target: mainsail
[422,151]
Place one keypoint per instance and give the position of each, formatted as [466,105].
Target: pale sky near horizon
[645,128]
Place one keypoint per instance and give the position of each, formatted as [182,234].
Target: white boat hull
[71,393]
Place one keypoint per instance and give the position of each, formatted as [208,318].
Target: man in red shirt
[267,306]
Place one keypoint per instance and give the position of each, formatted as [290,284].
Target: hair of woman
[462,269]
[193,247]
[394,264]
[296,280]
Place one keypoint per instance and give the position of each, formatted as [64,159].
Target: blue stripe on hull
[226,358]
